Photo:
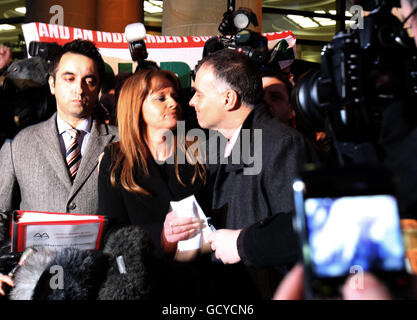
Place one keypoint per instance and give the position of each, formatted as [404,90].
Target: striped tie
[73,153]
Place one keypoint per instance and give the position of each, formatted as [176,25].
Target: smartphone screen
[348,222]
[353,233]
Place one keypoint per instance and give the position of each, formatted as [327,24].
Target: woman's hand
[177,229]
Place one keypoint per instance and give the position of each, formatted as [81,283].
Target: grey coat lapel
[50,145]
[99,138]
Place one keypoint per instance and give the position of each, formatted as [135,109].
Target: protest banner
[179,54]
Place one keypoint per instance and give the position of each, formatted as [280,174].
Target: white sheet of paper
[189,207]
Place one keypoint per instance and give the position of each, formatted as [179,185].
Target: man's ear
[231,100]
[51,82]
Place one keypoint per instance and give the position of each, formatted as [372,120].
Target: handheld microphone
[27,253]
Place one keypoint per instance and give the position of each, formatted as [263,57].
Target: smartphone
[348,222]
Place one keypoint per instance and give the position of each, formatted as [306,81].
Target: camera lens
[305,101]
[243,37]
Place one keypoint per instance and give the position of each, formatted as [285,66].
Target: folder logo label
[40,236]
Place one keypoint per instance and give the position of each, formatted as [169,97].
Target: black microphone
[27,253]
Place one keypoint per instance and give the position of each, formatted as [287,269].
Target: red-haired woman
[141,174]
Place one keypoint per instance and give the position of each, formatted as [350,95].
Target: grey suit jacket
[34,176]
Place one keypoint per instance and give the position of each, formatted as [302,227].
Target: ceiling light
[6,27]
[303,22]
[151,7]
[21,10]
[332,12]
[325,21]
[156,3]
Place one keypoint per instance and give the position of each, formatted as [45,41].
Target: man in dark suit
[254,177]
[45,168]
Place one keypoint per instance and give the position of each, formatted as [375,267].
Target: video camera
[44,50]
[235,35]
[362,71]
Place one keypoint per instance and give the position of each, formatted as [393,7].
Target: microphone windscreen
[135,32]
[135,246]
[82,272]
[131,242]
[27,277]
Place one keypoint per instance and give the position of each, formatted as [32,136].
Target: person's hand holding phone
[292,287]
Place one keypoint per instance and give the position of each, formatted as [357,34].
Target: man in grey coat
[36,170]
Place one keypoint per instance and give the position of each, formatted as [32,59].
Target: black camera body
[362,71]
[45,50]
[234,35]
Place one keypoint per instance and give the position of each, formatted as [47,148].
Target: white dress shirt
[231,142]
[65,138]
